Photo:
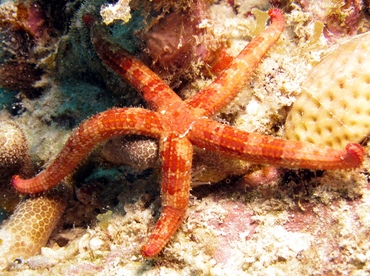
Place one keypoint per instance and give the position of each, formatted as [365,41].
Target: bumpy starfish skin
[179,125]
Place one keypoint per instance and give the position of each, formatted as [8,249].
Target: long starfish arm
[176,154]
[153,89]
[118,121]
[220,92]
[262,149]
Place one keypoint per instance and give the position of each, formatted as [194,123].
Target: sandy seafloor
[303,223]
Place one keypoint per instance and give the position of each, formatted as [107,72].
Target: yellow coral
[29,227]
[334,108]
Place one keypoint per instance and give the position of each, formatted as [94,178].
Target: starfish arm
[152,88]
[118,121]
[225,87]
[176,154]
[262,149]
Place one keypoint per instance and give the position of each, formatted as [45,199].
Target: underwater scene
[189,137]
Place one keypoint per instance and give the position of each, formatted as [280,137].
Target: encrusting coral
[334,107]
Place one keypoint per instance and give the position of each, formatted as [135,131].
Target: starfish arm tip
[148,252]
[26,186]
[277,17]
[274,12]
[16,182]
[355,154]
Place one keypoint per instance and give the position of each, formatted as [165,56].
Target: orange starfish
[181,124]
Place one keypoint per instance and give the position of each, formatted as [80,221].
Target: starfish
[179,125]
